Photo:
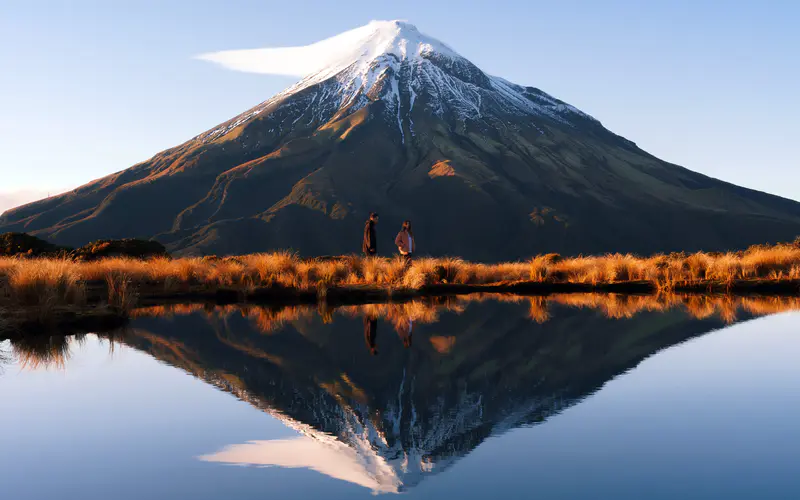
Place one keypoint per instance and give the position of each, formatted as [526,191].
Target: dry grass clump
[422,272]
[380,271]
[41,288]
[121,292]
[162,269]
[267,269]
[778,262]
[45,282]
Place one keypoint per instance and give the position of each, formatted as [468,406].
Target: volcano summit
[391,120]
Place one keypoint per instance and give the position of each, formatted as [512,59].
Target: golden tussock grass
[42,284]
[288,270]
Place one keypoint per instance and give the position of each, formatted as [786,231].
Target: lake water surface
[489,399]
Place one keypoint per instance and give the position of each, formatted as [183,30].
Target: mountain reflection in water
[384,395]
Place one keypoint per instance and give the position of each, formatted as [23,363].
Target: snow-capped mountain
[391,120]
[391,61]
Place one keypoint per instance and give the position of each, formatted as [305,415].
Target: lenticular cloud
[292,61]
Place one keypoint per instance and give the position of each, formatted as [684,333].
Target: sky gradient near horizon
[89,87]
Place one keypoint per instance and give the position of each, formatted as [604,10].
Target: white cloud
[291,61]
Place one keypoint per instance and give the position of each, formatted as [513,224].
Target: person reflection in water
[370,332]
[404,331]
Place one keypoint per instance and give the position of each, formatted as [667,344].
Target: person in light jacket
[405,241]
[404,327]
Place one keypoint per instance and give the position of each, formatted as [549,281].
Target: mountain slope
[399,123]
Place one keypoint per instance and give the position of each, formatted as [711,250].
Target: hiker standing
[370,244]
[405,241]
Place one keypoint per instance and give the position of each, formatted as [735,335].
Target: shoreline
[154,294]
[96,313]
[40,294]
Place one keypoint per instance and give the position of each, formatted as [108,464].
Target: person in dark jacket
[370,334]
[370,244]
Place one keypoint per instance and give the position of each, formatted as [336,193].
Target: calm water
[474,401]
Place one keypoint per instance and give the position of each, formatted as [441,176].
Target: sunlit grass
[42,285]
[288,270]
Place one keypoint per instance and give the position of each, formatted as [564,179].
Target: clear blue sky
[91,87]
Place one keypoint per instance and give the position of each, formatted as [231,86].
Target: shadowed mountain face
[487,170]
[430,393]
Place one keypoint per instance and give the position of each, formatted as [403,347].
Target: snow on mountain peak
[368,42]
[390,61]
[402,39]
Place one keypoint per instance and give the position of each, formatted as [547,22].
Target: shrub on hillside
[23,244]
[138,249]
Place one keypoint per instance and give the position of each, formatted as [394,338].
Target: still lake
[485,399]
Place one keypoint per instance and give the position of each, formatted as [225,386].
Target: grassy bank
[34,291]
